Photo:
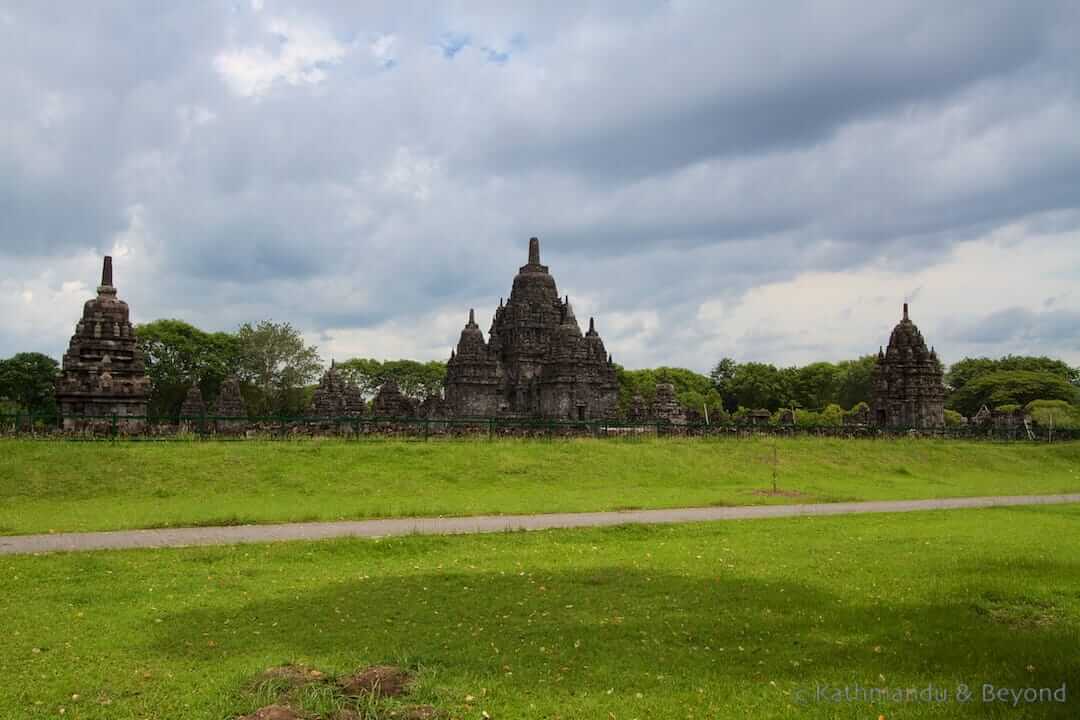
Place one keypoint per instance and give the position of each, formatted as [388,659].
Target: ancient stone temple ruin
[665,406]
[536,362]
[103,371]
[907,388]
[193,405]
[230,403]
[336,397]
[390,402]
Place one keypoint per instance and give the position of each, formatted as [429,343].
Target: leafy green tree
[721,376]
[816,385]
[1054,413]
[278,364]
[855,382]
[1009,387]
[418,380]
[760,385]
[953,419]
[29,379]
[966,370]
[833,414]
[178,355]
[962,372]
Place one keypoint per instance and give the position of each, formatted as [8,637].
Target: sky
[762,181]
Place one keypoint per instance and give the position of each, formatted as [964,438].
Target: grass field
[720,620]
[55,486]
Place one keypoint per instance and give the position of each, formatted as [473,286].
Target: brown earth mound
[378,680]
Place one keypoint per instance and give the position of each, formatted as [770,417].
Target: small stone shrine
[103,373]
[906,386]
[193,405]
[391,403]
[230,402]
[666,407]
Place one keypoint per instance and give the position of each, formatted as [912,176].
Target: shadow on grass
[614,629]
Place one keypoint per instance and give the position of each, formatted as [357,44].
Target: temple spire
[905,311]
[534,251]
[472,318]
[106,272]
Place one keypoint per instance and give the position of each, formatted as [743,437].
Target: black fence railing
[295,427]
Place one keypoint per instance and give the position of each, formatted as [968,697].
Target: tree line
[278,371]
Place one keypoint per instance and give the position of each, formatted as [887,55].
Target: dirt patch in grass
[300,692]
[377,681]
[1020,613]
[778,493]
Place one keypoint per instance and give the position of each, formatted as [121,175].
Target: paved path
[179,537]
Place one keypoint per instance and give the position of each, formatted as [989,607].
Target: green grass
[721,620]
[57,486]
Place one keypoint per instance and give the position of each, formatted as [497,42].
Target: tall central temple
[536,362]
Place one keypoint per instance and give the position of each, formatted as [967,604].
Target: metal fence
[127,427]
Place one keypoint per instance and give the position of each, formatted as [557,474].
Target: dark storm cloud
[1026,328]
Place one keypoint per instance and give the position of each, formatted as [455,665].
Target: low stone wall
[418,429]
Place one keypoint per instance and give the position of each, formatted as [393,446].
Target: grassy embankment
[54,486]
[722,620]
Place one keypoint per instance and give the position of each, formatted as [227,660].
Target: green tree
[1054,413]
[760,385]
[29,379]
[855,383]
[966,370]
[278,364]
[721,376]
[178,355]
[816,385]
[418,380]
[1010,387]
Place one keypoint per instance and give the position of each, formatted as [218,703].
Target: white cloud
[305,49]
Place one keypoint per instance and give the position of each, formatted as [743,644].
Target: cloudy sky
[767,181]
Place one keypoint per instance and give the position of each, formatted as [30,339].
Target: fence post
[113,429]
[18,425]
[491,428]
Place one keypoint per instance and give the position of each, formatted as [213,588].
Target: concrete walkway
[180,537]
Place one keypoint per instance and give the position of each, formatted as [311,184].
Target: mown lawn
[722,620]
[69,486]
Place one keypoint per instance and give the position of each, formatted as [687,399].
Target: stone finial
[472,316]
[106,272]
[592,325]
[905,311]
[534,251]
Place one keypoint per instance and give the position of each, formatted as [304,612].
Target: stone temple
[906,385]
[536,362]
[103,371]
